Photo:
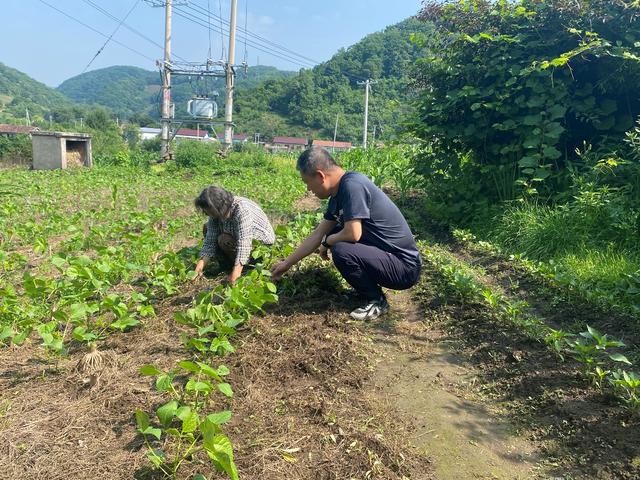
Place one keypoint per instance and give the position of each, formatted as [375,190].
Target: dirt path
[426,384]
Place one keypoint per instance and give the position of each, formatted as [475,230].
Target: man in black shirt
[370,242]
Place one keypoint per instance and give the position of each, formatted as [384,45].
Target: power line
[260,38]
[195,18]
[94,30]
[131,29]
[135,4]
[266,43]
[188,16]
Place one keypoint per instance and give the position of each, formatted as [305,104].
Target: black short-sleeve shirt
[383,225]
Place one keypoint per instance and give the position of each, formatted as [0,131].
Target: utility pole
[335,132]
[165,154]
[230,77]
[367,86]
[374,135]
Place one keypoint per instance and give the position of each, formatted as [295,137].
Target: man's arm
[307,247]
[352,232]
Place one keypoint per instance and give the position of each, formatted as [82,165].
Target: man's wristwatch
[324,243]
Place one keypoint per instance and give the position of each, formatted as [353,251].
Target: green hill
[273,102]
[131,90]
[309,103]
[19,92]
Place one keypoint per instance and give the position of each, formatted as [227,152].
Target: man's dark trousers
[368,268]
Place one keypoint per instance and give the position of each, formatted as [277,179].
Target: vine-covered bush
[509,90]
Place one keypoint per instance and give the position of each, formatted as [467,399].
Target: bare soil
[580,432]
[428,383]
[431,391]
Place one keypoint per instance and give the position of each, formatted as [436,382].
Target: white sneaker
[372,310]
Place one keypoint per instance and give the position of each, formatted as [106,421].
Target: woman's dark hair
[214,199]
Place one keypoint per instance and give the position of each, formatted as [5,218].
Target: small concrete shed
[53,150]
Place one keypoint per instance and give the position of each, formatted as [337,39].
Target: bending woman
[233,223]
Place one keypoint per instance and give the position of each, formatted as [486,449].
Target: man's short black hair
[315,158]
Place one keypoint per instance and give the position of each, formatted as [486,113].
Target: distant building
[148,133]
[288,144]
[237,138]
[7,130]
[53,150]
[332,146]
[190,134]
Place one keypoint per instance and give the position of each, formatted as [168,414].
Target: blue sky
[50,47]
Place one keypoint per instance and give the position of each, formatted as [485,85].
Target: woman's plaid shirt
[247,221]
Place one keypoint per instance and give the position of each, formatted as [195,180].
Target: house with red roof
[288,144]
[237,138]
[332,146]
[8,130]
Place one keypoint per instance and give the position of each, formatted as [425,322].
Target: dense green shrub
[16,149]
[127,158]
[516,87]
[193,153]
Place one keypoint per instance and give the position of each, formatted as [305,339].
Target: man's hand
[278,270]
[323,252]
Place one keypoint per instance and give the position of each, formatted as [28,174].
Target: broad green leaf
[220,417]
[531,120]
[6,332]
[209,371]
[149,370]
[21,337]
[166,412]
[164,383]
[124,323]
[183,412]
[156,432]
[189,366]
[225,388]
[618,357]
[142,419]
[551,153]
[156,456]
[190,423]
[528,162]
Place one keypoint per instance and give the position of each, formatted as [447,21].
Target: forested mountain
[309,103]
[274,102]
[19,92]
[269,101]
[132,91]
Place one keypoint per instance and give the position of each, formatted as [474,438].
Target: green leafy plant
[182,422]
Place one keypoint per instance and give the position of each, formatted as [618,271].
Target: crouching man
[370,241]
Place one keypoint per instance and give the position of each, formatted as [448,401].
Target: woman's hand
[200,267]
[235,273]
